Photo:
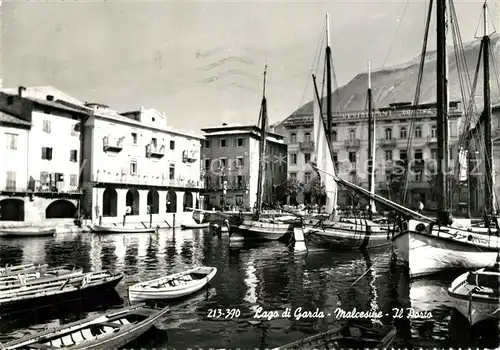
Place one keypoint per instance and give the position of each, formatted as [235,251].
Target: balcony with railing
[352,143]
[155,151]
[387,143]
[431,140]
[189,156]
[306,146]
[112,144]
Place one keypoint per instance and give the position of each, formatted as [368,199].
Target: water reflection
[271,276]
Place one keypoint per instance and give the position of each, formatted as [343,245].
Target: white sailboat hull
[261,230]
[436,249]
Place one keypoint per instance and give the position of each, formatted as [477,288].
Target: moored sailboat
[343,233]
[430,247]
[258,228]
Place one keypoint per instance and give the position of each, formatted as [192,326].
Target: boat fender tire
[469,238]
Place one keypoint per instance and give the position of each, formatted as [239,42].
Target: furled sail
[323,159]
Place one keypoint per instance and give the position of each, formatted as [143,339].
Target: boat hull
[434,250]
[122,335]
[139,292]
[27,232]
[346,236]
[118,229]
[195,226]
[250,230]
[57,295]
[473,306]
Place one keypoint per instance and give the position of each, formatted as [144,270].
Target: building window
[388,155]
[133,167]
[74,129]
[239,142]
[402,133]
[207,164]
[388,134]
[239,200]
[293,158]
[172,144]
[171,171]
[11,180]
[222,143]
[403,155]
[154,142]
[307,177]
[334,136]
[418,177]
[73,155]
[134,138]
[352,157]
[47,153]
[11,141]
[239,161]
[46,127]
[352,135]
[222,162]
[239,182]
[307,137]
[434,131]
[418,132]
[207,144]
[293,175]
[307,157]
[419,155]
[73,180]
[293,138]
[434,154]
[44,178]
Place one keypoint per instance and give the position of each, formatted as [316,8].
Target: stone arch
[110,202]
[12,209]
[59,209]
[171,201]
[154,201]
[132,201]
[187,200]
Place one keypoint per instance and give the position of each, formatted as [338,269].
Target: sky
[202,62]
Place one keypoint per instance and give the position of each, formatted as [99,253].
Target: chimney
[50,98]
[20,90]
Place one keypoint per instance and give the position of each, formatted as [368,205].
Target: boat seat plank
[56,342]
[87,334]
[67,340]
[39,346]
[77,337]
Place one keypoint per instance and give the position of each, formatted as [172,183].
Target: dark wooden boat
[347,337]
[36,277]
[57,290]
[109,331]
[194,226]
[120,229]
[27,231]
[10,269]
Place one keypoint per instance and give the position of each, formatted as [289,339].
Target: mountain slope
[398,83]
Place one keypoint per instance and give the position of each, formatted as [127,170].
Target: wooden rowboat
[109,331]
[57,290]
[193,226]
[39,277]
[120,229]
[27,232]
[9,269]
[173,286]
[347,337]
[476,295]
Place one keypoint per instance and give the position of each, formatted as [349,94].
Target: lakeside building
[230,156]
[395,126]
[120,166]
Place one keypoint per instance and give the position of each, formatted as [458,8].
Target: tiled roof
[10,119]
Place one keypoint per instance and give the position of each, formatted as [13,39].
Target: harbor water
[243,305]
